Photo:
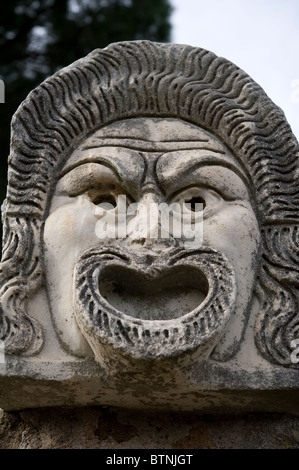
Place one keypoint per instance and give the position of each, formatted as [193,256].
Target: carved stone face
[140,296]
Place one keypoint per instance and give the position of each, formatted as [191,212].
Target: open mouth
[167,295]
[178,303]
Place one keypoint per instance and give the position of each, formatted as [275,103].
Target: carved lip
[157,335]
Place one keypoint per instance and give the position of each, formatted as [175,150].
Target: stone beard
[157,124]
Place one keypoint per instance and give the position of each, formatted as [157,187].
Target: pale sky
[260,36]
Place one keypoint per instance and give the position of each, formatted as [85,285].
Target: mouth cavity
[157,296]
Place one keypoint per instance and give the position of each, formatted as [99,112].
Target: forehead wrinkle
[147,145]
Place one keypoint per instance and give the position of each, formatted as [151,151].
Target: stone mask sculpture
[156,123]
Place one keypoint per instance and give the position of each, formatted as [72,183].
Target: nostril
[194,201]
[149,259]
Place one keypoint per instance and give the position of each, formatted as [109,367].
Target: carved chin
[145,309]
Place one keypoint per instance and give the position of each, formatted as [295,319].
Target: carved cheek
[235,232]
[71,228]
[68,232]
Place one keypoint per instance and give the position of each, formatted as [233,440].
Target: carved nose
[147,227]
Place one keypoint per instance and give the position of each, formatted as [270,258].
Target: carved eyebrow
[101,161]
[195,162]
[129,177]
[118,161]
[75,181]
[216,162]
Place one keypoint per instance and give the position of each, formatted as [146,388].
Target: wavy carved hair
[134,79]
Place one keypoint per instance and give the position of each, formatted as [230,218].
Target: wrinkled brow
[173,166]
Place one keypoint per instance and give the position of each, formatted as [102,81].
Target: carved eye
[106,201]
[194,202]
[104,196]
[199,201]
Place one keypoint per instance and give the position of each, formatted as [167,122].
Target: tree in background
[39,37]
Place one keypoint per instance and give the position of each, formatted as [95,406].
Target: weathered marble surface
[142,319]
